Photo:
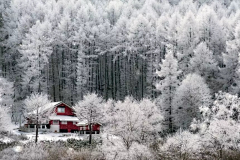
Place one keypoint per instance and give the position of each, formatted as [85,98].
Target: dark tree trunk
[90,134]
[36,138]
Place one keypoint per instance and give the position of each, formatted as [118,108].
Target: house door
[55,126]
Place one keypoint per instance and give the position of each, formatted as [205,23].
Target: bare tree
[90,109]
[35,106]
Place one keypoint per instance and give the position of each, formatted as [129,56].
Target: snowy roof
[82,123]
[48,107]
[64,118]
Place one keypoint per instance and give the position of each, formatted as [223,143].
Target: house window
[43,126]
[64,122]
[55,122]
[61,109]
[83,128]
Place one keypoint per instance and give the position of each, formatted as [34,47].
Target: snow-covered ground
[52,136]
[46,136]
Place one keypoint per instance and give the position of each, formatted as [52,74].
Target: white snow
[64,118]
[53,136]
[6,139]
[82,123]
[48,136]
[47,107]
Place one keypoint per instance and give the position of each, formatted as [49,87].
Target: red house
[61,119]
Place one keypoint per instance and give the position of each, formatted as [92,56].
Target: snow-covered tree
[90,109]
[6,92]
[134,121]
[5,119]
[231,59]
[81,74]
[210,31]
[151,121]
[7,97]
[173,32]
[219,124]
[35,50]
[229,73]
[189,96]
[188,40]
[204,64]
[34,105]
[114,9]
[169,74]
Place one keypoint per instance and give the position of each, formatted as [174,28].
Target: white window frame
[55,122]
[63,122]
[61,110]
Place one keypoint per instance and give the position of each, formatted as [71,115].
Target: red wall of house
[68,110]
[69,125]
[95,127]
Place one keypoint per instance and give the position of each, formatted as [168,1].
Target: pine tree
[168,84]
[210,31]
[188,40]
[190,95]
[35,50]
[204,64]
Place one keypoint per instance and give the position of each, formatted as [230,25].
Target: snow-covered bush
[34,151]
[139,151]
[114,148]
[8,154]
[49,151]
[30,151]
[182,145]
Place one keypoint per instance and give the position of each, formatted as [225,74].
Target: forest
[174,63]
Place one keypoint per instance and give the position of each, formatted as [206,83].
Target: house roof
[64,118]
[82,123]
[48,106]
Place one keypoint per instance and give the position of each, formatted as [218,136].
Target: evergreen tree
[189,96]
[204,64]
[35,50]
[168,84]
